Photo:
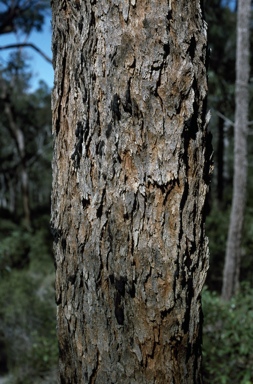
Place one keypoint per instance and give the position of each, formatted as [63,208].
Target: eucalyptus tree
[19,17]
[25,125]
[130,177]
[233,249]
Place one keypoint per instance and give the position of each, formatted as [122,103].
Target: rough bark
[233,248]
[130,176]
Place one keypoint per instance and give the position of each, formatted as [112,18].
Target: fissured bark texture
[130,176]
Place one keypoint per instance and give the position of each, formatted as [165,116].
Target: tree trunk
[19,140]
[220,160]
[130,176]
[233,249]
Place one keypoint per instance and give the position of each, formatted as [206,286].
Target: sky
[41,69]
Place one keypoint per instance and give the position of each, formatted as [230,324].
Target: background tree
[22,15]
[130,175]
[25,134]
[19,17]
[233,250]
[221,100]
[28,347]
[221,76]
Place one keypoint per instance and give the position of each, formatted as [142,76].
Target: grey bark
[130,177]
[233,248]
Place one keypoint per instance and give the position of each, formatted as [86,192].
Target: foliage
[22,15]
[28,343]
[25,134]
[222,45]
[20,247]
[228,338]
[14,248]
[216,228]
[27,310]
[221,18]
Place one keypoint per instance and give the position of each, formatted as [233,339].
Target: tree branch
[230,122]
[30,45]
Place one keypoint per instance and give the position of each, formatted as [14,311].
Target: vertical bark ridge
[130,180]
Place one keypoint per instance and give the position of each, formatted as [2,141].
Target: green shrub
[28,325]
[20,247]
[228,338]
[14,247]
[27,304]
[216,228]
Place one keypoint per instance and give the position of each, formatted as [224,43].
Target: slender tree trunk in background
[233,249]
[130,176]
[19,139]
[220,161]
[25,194]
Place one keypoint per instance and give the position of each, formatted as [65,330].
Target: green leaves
[22,16]
[228,338]
[27,305]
